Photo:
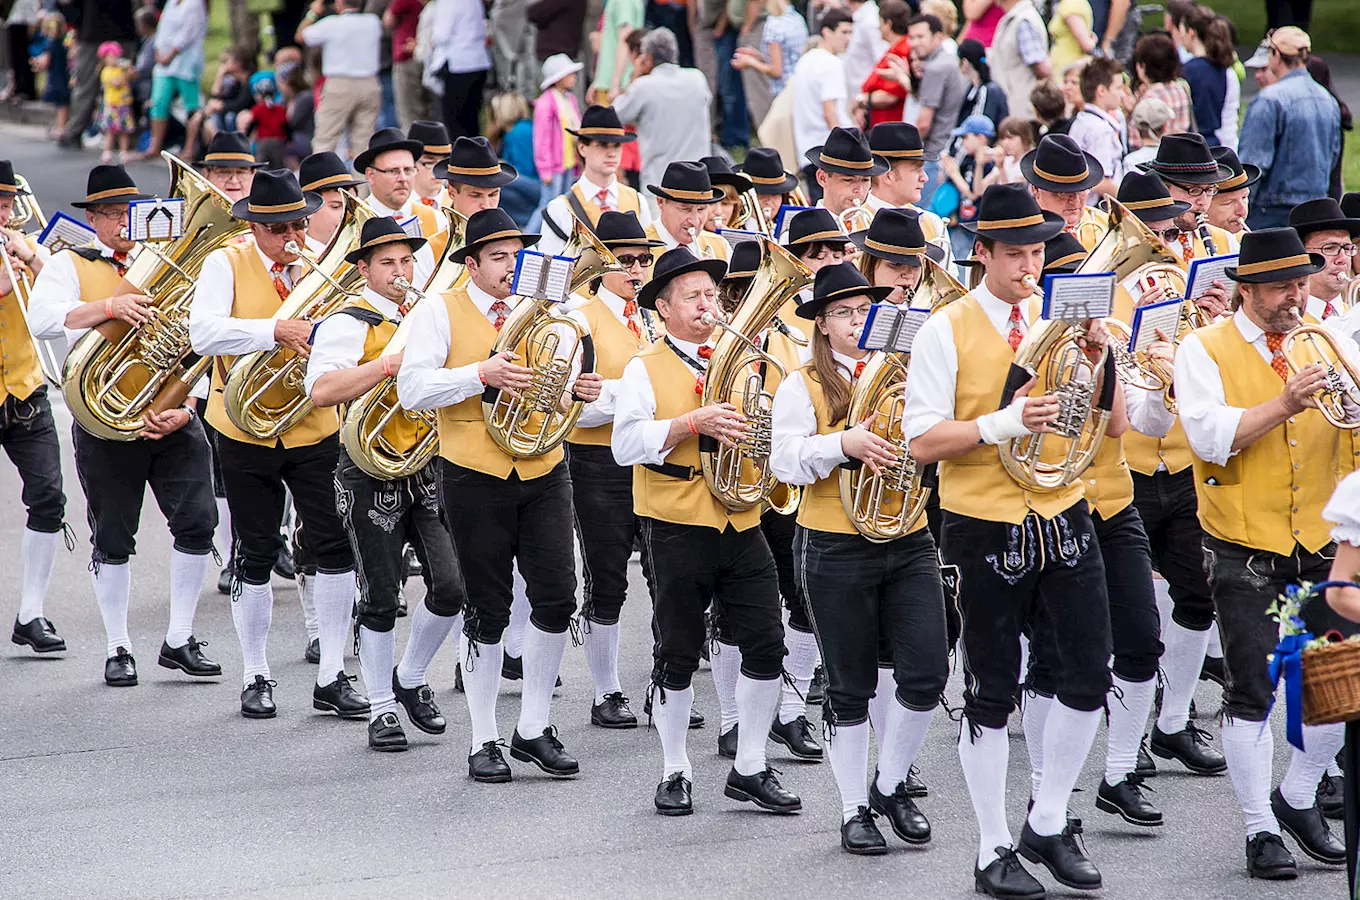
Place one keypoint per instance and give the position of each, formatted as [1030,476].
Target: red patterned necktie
[120,261]
[1017,331]
[1328,310]
[501,310]
[276,271]
[859,369]
[1187,246]
[705,352]
[428,201]
[602,200]
[1274,341]
[630,311]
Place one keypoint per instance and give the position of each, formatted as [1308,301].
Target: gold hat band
[600,132]
[821,236]
[1150,204]
[498,236]
[211,158]
[766,179]
[468,170]
[902,154]
[323,183]
[871,244]
[1069,258]
[1234,182]
[278,207]
[1275,265]
[438,149]
[112,192]
[403,237]
[687,195]
[846,163]
[1063,179]
[1026,222]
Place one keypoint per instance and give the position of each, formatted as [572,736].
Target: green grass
[1334,26]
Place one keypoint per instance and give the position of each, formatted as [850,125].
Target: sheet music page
[529,273]
[1204,272]
[156,220]
[411,226]
[65,233]
[880,327]
[783,219]
[558,282]
[910,322]
[735,236]
[1074,298]
[1147,319]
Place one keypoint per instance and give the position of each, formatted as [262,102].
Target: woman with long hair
[1215,91]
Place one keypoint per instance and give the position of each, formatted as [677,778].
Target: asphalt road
[164,791]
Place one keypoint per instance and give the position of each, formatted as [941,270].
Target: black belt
[707,444]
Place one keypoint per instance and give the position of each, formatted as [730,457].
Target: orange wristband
[387,366]
[689,423]
[108,308]
[480,376]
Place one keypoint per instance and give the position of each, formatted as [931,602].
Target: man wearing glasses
[389,164]
[78,290]
[229,165]
[1060,176]
[239,292]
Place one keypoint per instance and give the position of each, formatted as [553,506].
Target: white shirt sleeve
[338,343]
[560,215]
[212,329]
[1147,412]
[1343,510]
[422,380]
[799,454]
[319,31]
[1210,423]
[638,436]
[424,264]
[931,378]
[601,412]
[56,292]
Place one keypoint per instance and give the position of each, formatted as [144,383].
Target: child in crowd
[230,96]
[51,59]
[511,130]
[116,120]
[971,173]
[1050,108]
[267,123]
[1014,138]
[556,116]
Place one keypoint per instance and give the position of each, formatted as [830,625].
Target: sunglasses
[628,261]
[1170,234]
[281,228]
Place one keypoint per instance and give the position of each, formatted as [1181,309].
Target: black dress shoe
[1309,830]
[1190,748]
[39,634]
[283,566]
[763,789]
[1329,796]
[915,786]
[313,653]
[512,669]
[907,821]
[1212,670]
[341,698]
[860,836]
[120,670]
[1126,800]
[727,743]
[696,718]
[224,580]
[458,678]
[797,737]
[385,734]
[546,752]
[817,688]
[673,796]
[189,659]
[613,712]
[1062,855]
[257,700]
[420,706]
[1005,878]
[1267,858]
[1145,767]
[488,764]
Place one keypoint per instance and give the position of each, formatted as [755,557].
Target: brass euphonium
[741,477]
[26,210]
[116,372]
[1338,399]
[263,394]
[546,341]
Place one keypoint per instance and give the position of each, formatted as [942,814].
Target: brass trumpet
[1338,399]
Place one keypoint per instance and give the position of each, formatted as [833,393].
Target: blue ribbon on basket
[1287,662]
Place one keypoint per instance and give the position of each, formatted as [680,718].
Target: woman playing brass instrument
[773,186]
[858,590]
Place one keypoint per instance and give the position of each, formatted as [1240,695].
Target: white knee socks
[542,661]
[1128,718]
[481,684]
[428,633]
[1067,740]
[848,749]
[112,587]
[186,583]
[725,661]
[334,607]
[519,617]
[251,612]
[984,759]
[1035,719]
[39,550]
[377,649]
[1321,743]
[756,701]
[306,587]
[671,718]
[885,694]
[1181,663]
[800,662]
[1250,750]
[903,736]
[602,656]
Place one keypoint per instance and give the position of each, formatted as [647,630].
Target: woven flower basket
[1331,683]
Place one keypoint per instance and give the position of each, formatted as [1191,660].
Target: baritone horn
[1338,399]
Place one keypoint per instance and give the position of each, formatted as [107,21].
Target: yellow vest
[628,202]
[615,345]
[1270,495]
[932,226]
[977,484]
[255,298]
[401,431]
[430,230]
[676,500]
[463,438]
[20,373]
[1108,484]
[707,240]
[1144,452]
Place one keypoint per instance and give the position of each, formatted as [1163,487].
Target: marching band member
[28,431]
[389,165]
[1013,547]
[1265,465]
[475,175]
[228,163]
[859,591]
[430,190]
[892,246]
[1228,208]
[501,510]
[1192,174]
[720,174]
[702,554]
[1326,231]
[326,175]
[774,185]
[240,288]
[817,240]
[682,200]
[899,143]
[602,490]
[845,167]
[381,517]
[75,293]
[1060,176]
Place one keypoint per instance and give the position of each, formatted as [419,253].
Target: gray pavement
[164,791]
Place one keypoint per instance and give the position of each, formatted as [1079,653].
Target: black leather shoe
[727,743]
[257,700]
[420,706]
[488,764]
[546,752]
[120,670]
[1126,800]
[1309,830]
[341,698]
[613,712]
[512,669]
[861,836]
[313,653]
[1268,858]
[458,678]
[39,634]
[915,786]
[674,796]
[385,734]
[1329,796]
[1006,878]
[817,689]
[1212,670]
[1145,767]
[764,790]
[224,580]
[1190,748]
[1063,856]
[696,718]
[907,821]
[283,566]
[189,659]
[797,737]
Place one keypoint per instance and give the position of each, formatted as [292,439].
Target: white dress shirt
[1317,307]
[338,341]
[560,215]
[1210,423]
[638,435]
[56,292]
[350,42]
[424,256]
[671,240]
[1343,510]
[212,328]
[601,412]
[799,454]
[457,40]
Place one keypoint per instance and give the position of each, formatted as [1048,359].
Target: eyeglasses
[403,172]
[111,211]
[226,173]
[1337,249]
[848,312]
[281,228]
[642,259]
[1169,235]
[1197,190]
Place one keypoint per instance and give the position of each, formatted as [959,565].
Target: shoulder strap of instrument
[369,317]
[556,229]
[579,210]
[89,254]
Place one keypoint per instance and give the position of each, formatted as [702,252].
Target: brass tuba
[740,477]
[545,340]
[117,372]
[50,351]
[263,390]
[1338,399]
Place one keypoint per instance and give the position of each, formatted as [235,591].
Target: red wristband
[689,423]
[108,308]
[387,366]
[480,376]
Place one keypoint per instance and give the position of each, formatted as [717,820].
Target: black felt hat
[383,141]
[433,137]
[9,185]
[745,260]
[846,152]
[1060,166]
[719,172]
[472,161]
[1243,175]
[673,264]
[326,172]
[1063,253]
[229,150]
[1273,254]
[897,140]
[601,125]
[895,235]
[812,226]
[111,184]
[1322,215]
[837,282]
[378,231]
[487,225]
[686,182]
[766,171]
[1147,197]
[276,196]
[1186,159]
[1009,213]
[1350,204]
[622,229]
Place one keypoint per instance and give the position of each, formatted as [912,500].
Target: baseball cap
[1151,115]
[1290,41]
[1261,58]
[976,125]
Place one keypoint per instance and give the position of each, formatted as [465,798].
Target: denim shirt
[1292,131]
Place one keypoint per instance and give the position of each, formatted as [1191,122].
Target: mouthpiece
[1030,282]
[401,284]
[693,234]
[292,247]
[709,319]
